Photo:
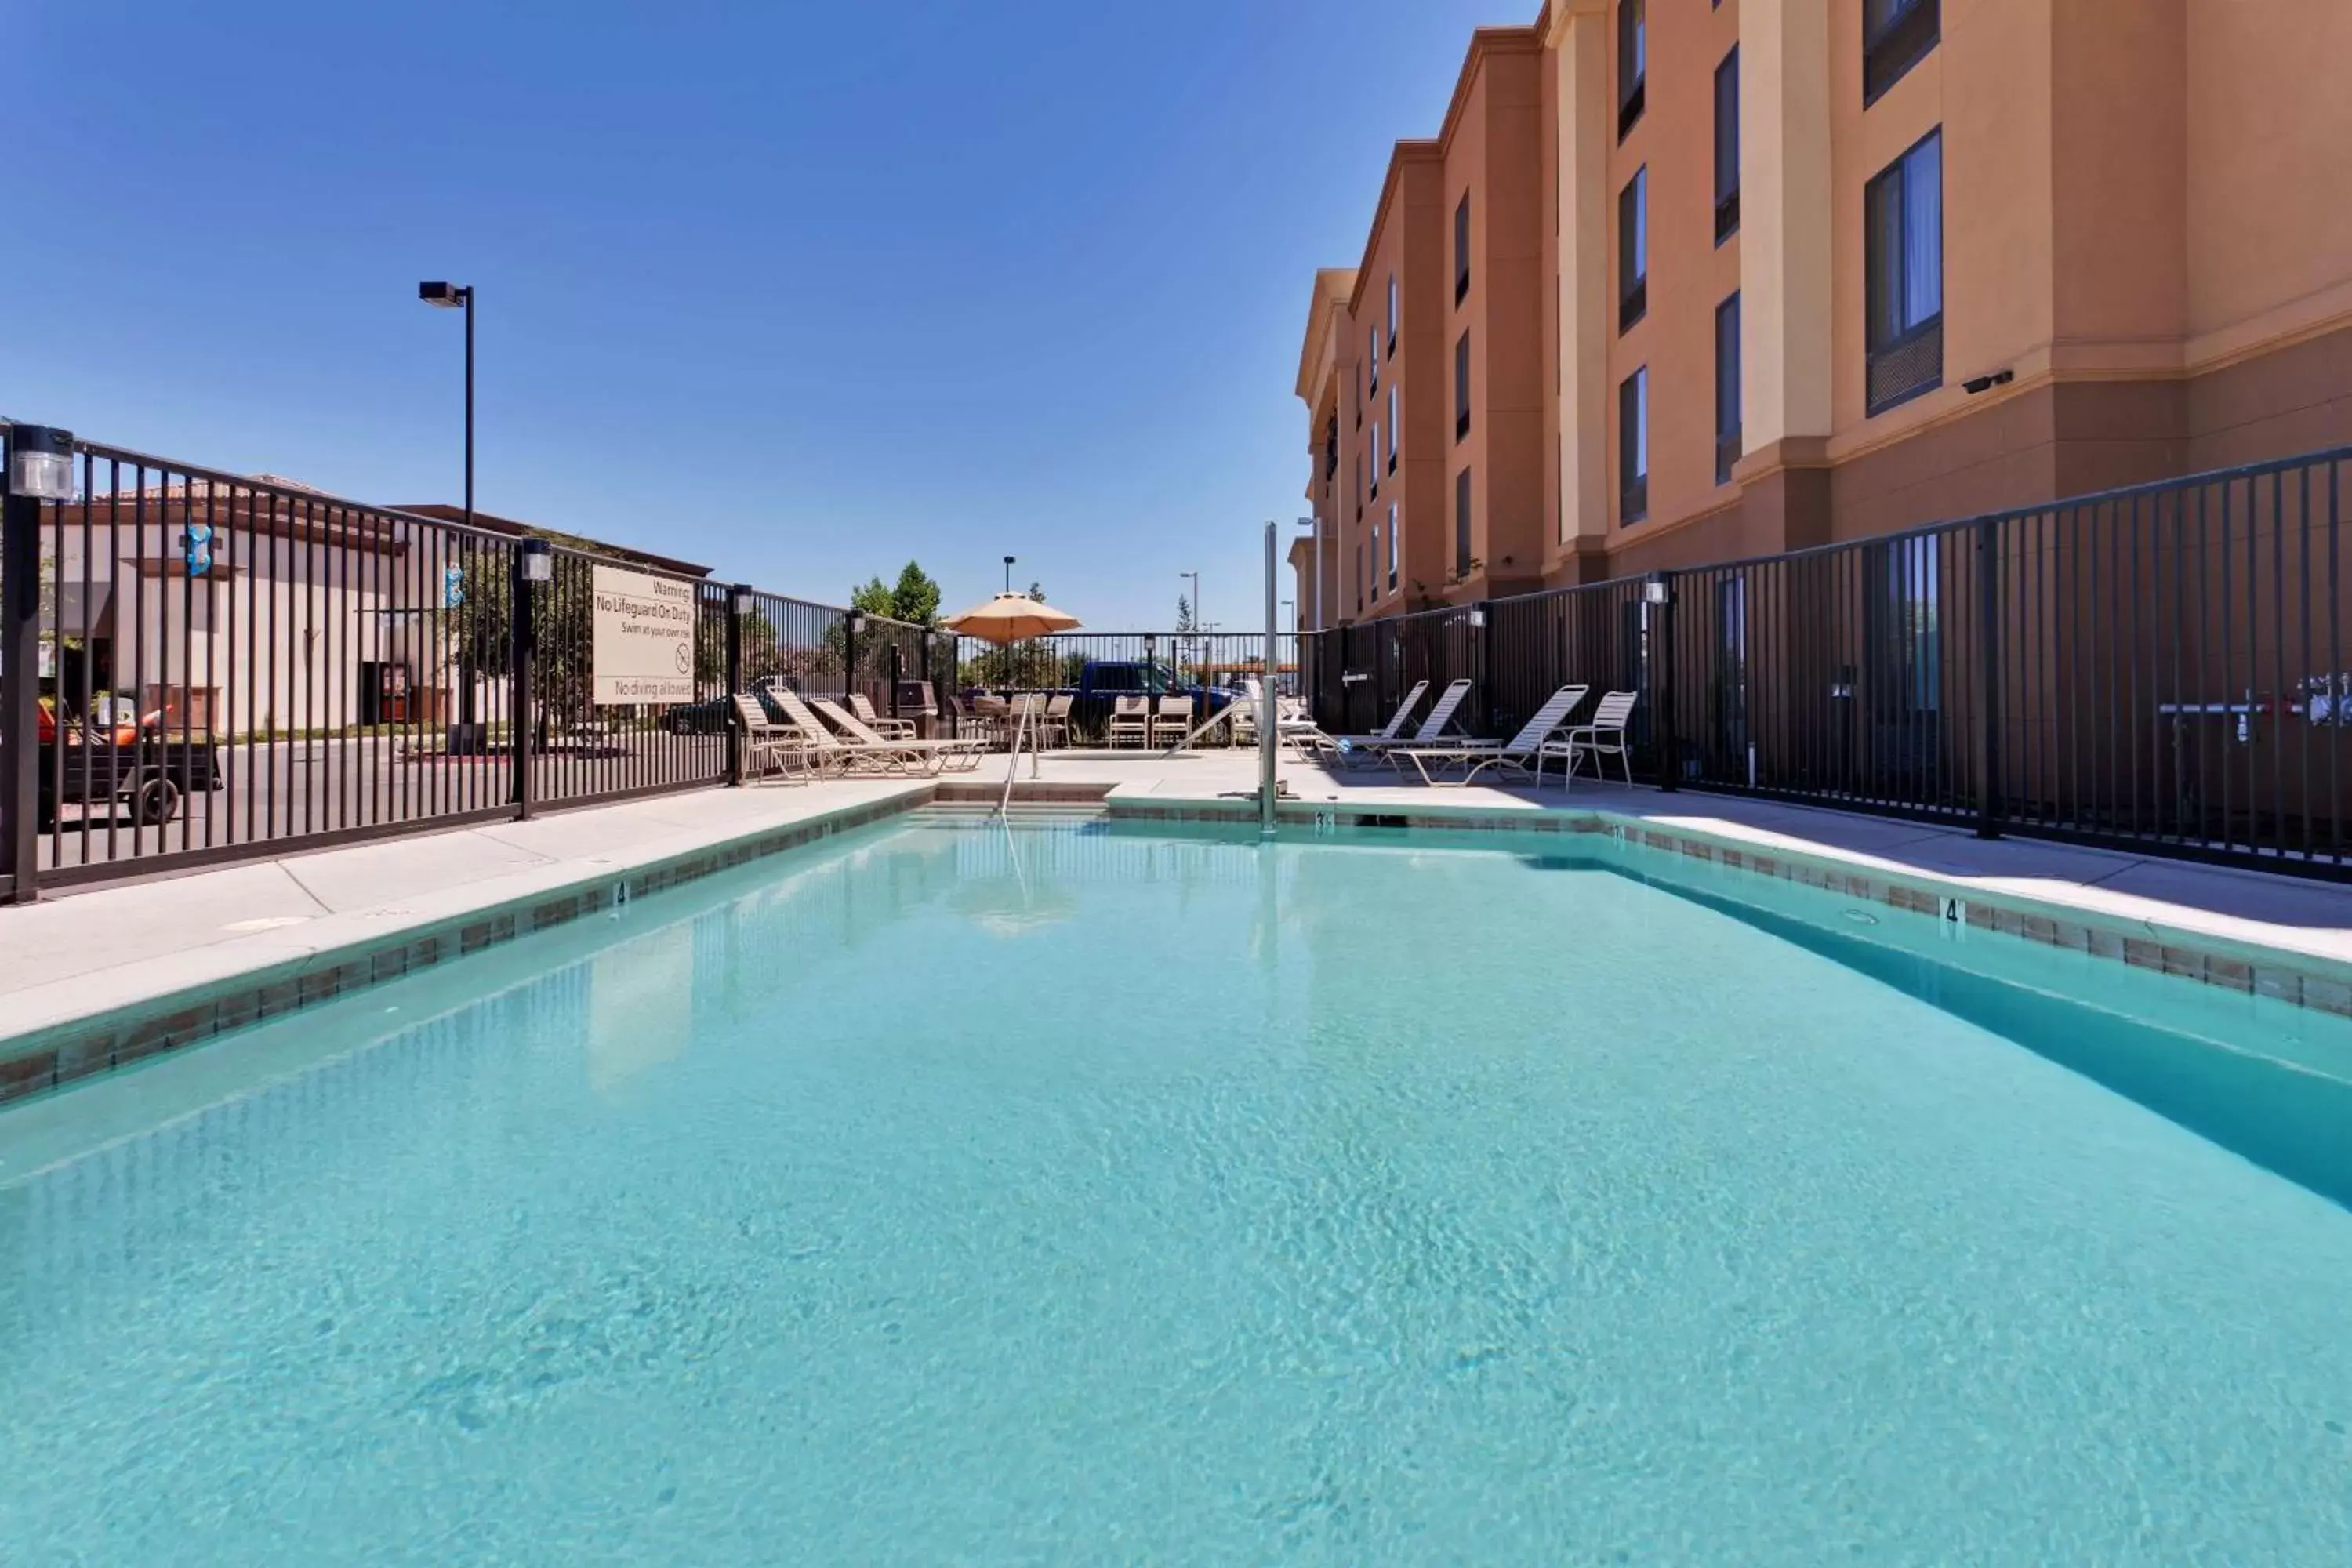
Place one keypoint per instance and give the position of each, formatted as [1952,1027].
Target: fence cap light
[41,462]
[856,618]
[538,561]
[738,598]
[1656,589]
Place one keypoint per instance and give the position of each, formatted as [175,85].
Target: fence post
[1482,621]
[533,564]
[897,668]
[1989,812]
[39,464]
[849,624]
[1658,594]
[739,600]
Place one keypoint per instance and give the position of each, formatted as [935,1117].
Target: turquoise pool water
[947,1195]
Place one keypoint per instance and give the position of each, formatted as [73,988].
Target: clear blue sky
[796,290]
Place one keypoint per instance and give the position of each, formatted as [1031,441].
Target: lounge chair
[1173,722]
[1130,720]
[827,752]
[1522,751]
[1389,730]
[861,707]
[1431,732]
[918,756]
[1604,737]
[765,741]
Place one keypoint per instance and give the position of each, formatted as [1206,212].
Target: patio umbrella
[1010,618]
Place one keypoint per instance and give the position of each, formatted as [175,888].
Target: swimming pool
[952,1192]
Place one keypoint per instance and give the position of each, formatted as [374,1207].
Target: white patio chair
[1520,751]
[1603,737]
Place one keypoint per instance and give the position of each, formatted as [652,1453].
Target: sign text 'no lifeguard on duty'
[645,638]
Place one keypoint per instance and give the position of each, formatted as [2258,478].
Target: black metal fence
[2161,667]
[1174,658]
[226,666]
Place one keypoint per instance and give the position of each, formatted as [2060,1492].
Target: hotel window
[1359,576]
[1392,547]
[1360,397]
[1393,426]
[1462,387]
[1373,457]
[1896,35]
[1903,236]
[1364,487]
[1633,447]
[1461,249]
[1372,356]
[1726,388]
[1462,525]
[1634,250]
[1632,62]
[1726,147]
[1392,314]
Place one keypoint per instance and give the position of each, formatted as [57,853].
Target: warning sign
[645,638]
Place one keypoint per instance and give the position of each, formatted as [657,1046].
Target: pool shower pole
[1268,711]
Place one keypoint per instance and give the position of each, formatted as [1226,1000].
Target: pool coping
[52,1054]
[2213,957]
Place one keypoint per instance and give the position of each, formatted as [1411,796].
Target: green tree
[916,597]
[1184,614]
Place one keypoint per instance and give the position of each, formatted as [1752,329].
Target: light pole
[1196,603]
[1317,597]
[1008,574]
[460,297]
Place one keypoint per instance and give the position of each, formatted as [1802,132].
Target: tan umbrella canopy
[1011,618]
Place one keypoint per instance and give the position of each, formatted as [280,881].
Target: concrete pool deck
[101,977]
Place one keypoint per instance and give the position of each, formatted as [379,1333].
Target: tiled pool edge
[2301,980]
[55,1055]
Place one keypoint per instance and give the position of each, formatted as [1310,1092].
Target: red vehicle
[113,762]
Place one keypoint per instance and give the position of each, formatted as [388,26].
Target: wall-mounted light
[739,599]
[538,561]
[41,462]
[1987,382]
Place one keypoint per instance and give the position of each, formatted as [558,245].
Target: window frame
[1727,400]
[1876,347]
[1461,249]
[1727,140]
[1462,554]
[1395,314]
[1462,387]
[1395,418]
[1909,34]
[1372,455]
[1394,552]
[1634,250]
[1633,64]
[1633,447]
